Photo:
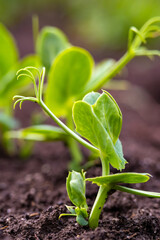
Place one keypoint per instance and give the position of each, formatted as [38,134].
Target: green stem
[137,191]
[117,67]
[73,146]
[101,197]
[112,72]
[67,130]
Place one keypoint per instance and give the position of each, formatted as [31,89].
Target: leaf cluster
[97,117]
[76,188]
[72,73]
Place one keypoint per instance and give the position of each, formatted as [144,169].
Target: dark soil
[33,194]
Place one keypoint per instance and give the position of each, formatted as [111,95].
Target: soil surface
[33,194]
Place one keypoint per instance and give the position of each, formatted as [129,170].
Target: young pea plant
[98,119]
[71,73]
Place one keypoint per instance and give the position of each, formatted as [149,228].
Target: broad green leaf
[101,123]
[76,189]
[51,41]
[120,178]
[38,133]
[68,76]
[99,75]
[109,114]
[137,192]
[8,51]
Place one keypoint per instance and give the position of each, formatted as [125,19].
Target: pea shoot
[72,73]
[98,119]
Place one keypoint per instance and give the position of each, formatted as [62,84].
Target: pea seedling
[71,75]
[99,120]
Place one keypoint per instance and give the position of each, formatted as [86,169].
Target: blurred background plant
[99,23]
[9,65]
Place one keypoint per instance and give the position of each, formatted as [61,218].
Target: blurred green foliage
[103,23]
[12,10]
[9,64]
[107,22]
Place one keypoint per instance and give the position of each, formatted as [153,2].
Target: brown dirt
[33,194]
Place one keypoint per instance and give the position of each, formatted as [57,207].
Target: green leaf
[30,60]
[8,51]
[137,192]
[120,178]
[99,75]
[76,189]
[80,214]
[119,151]
[51,41]
[91,98]
[109,114]
[81,220]
[5,90]
[101,125]
[68,76]
[38,133]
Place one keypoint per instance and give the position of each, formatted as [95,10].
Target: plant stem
[117,67]
[73,146]
[68,130]
[112,72]
[101,197]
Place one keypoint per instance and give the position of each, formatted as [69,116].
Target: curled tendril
[150,29]
[21,99]
[30,74]
[27,72]
[38,87]
[137,32]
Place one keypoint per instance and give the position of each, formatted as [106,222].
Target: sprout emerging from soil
[98,121]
